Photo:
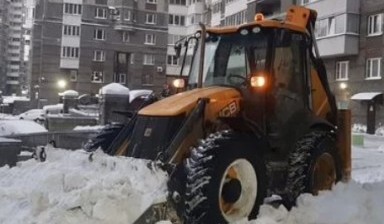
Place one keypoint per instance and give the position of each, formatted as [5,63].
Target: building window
[100,13]
[373,68]
[125,36]
[147,80]
[172,39]
[121,78]
[177,2]
[70,52]
[342,68]
[98,55]
[73,76]
[172,60]
[176,20]
[132,58]
[149,59]
[127,15]
[99,34]
[150,19]
[152,1]
[74,9]
[375,24]
[150,39]
[71,30]
[97,77]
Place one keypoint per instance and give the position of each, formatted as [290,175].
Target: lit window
[375,24]
[373,67]
[152,1]
[342,68]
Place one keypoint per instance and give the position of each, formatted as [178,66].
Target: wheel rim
[238,190]
[324,173]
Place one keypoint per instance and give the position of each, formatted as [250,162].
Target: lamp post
[344,96]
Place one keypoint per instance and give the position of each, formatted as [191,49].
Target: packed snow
[12,127]
[114,89]
[69,187]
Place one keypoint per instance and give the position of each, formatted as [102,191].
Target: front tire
[226,179]
[313,165]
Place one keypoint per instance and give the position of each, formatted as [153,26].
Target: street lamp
[343,85]
[62,84]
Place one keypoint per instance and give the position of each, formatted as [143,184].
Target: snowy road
[359,202]
[368,161]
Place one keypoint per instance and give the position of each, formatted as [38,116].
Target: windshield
[230,58]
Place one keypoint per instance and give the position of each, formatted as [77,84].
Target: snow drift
[69,188]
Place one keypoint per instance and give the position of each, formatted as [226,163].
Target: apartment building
[14,48]
[350,39]
[26,69]
[183,20]
[89,43]
[3,43]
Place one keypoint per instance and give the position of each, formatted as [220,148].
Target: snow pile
[12,99]
[69,93]
[359,128]
[71,188]
[350,203]
[114,89]
[14,127]
[133,94]
[88,128]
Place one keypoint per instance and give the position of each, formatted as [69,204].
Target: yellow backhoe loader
[256,118]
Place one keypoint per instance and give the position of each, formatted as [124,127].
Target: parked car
[36,115]
[15,127]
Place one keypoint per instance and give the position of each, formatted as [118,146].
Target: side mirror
[178,50]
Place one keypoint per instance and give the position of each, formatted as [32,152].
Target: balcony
[337,27]
[13,74]
[123,26]
[338,45]
[12,82]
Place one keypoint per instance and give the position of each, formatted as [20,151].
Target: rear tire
[226,179]
[313,165]
[103,139]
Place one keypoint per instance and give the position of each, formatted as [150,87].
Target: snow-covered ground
[70,188]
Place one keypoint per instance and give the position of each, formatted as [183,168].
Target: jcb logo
[228,110]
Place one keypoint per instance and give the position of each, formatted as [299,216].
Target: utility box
[357,139]
[114,98]
[9,149]
[69,100]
